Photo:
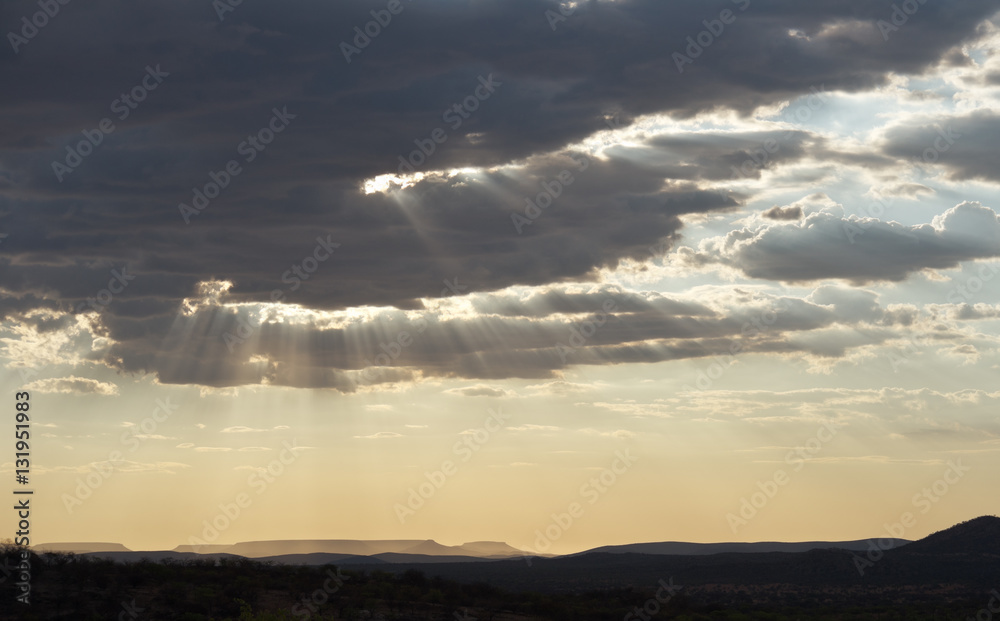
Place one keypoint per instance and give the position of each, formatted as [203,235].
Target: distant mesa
[79,548]
[492,549]
[354,547]
[979,536]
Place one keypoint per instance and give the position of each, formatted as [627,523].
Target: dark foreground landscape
[952,574]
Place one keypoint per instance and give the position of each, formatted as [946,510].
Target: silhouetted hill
[132,556]
[700,549]
[977,536]
[259,549]
[394,557]
[321,558]
[946,575]
[205,549]
[955,556]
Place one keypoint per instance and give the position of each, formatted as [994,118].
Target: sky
[556,274]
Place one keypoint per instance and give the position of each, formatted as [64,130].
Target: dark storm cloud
[722,156]
[231,346]
[208,85]
[552,301]
[965,145]
[388,250]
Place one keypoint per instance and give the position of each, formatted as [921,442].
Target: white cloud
[73,385]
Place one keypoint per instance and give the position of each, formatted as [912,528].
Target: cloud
[965,145]
[479,390]
[124,466]
[631,408]
[783,213]
[191,284]
[826,245]
[381,435]
[73,385]
[512,335]
[913,413]
[558,387]
[965,312]
[850,304]
[244,429]
[870,459]
[209,391]
[620,434]
[534,428]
